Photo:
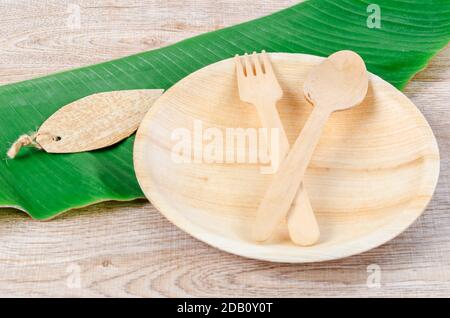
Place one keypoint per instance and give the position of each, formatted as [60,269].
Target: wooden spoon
[340,82]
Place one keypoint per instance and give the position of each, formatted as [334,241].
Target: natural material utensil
[259,86]
[340,82]
[361,199]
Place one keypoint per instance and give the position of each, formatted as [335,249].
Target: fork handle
[282,191]
[302,223]
[269,117]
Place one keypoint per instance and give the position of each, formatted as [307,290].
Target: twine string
[23,141]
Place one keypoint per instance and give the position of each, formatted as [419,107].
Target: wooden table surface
[129,249]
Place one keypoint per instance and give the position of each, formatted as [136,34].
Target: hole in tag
[56,138]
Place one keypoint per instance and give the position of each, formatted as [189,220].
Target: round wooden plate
[372,175]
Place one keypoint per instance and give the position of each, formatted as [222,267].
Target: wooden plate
[372,175]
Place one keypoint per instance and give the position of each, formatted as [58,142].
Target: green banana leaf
[43,185]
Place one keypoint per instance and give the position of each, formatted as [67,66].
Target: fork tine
[257,63]
[239,68]
[266,62]
[248,65]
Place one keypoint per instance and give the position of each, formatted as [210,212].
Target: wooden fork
[259,86]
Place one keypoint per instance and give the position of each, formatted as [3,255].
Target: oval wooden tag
[95,121]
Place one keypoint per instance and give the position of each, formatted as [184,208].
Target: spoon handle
[302,224]
[281,192]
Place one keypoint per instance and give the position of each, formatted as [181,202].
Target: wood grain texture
[129,249]
[96,121]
